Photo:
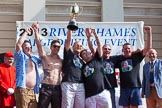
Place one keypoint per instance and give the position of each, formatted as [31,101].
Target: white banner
[113,33]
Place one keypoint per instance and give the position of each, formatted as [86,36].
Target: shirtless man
[50,91]
[27,76]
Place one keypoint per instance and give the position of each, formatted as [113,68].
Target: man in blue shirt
[27,76]
[152,80]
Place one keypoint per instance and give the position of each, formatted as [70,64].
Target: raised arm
[41,51]
[148,31]
[68,40]
[99,46]
[21,39]
[90,45]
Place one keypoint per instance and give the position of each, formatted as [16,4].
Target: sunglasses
[107,49]
[27,47]
[55,46]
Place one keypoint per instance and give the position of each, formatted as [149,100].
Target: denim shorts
[130,96]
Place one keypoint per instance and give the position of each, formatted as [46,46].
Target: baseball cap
[9,54]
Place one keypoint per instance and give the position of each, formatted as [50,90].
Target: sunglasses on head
[55,46]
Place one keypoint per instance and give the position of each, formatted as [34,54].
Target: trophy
[74,11]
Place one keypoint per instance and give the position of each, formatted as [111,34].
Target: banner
[113,33]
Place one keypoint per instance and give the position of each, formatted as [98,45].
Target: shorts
[25,98]
[130,97]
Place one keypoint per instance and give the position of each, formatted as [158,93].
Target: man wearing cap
[27,76]
[7,81]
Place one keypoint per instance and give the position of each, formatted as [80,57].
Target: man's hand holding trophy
[74,11]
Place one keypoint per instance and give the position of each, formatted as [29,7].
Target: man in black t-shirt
[109,64]
[73,93]
[96,94]
[130,83]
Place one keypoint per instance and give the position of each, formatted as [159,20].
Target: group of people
[84,78]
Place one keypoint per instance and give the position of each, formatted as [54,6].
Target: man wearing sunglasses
[27,75]
[108,63]
[110,60]
[50,91]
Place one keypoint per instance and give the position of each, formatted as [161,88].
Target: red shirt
[7,80]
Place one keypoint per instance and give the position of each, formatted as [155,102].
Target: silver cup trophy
[74,12]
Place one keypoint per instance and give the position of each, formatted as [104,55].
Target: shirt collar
[153,61]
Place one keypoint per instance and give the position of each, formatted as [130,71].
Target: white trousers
[101,100]
[73,95]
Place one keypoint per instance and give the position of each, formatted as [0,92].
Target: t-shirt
[72,65]
[130,70]
[109,71]
[93,76]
